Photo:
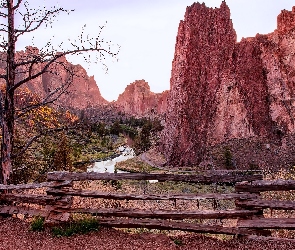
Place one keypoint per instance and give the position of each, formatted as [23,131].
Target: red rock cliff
[138,100]
[221,89]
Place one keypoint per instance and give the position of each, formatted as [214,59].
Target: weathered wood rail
[55,204]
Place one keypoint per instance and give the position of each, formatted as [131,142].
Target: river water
[108,166]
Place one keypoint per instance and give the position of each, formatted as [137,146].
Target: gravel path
[15,235]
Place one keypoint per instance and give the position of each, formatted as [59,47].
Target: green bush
[37,225]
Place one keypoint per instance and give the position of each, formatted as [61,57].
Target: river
[109,165]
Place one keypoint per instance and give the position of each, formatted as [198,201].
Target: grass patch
[135,165]
[80,226]
[37,224]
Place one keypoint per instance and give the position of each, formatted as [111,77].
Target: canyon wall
[221,90]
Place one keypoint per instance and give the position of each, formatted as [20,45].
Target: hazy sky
[146,31]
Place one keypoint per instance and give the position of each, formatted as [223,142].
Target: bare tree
[21,69]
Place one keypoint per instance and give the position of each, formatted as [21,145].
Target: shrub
[228,158]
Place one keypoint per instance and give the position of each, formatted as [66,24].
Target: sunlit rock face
[222,90]
[137,99]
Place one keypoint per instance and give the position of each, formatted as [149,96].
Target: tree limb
[46,101]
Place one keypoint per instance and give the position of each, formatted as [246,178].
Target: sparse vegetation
[228,158]
[77,226]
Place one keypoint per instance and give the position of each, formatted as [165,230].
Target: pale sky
[146,31]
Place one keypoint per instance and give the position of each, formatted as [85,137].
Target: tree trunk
[7,139]
[8,109]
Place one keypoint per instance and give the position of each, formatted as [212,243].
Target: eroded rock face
[82,92]
[137,99]
[223,90]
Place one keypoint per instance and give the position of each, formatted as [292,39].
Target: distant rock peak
[137,99]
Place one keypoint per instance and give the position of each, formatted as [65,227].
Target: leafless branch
[18,4]
[49,99]
[25,147]
[32,20]
[26,66]
[3,44]
[2,14]
[57,92]
[29,23]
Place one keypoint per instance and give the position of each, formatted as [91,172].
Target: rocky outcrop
[80,90]
[137,99]
[222,90]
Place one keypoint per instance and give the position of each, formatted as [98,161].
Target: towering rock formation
[138,100]
[222,90]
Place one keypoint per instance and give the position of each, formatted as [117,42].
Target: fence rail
[56,184]
[221,178]
[168,214]
[57,203]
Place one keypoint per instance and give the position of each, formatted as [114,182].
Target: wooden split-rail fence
[56,204]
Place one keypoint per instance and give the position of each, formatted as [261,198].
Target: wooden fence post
[59,212]
[257,215]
